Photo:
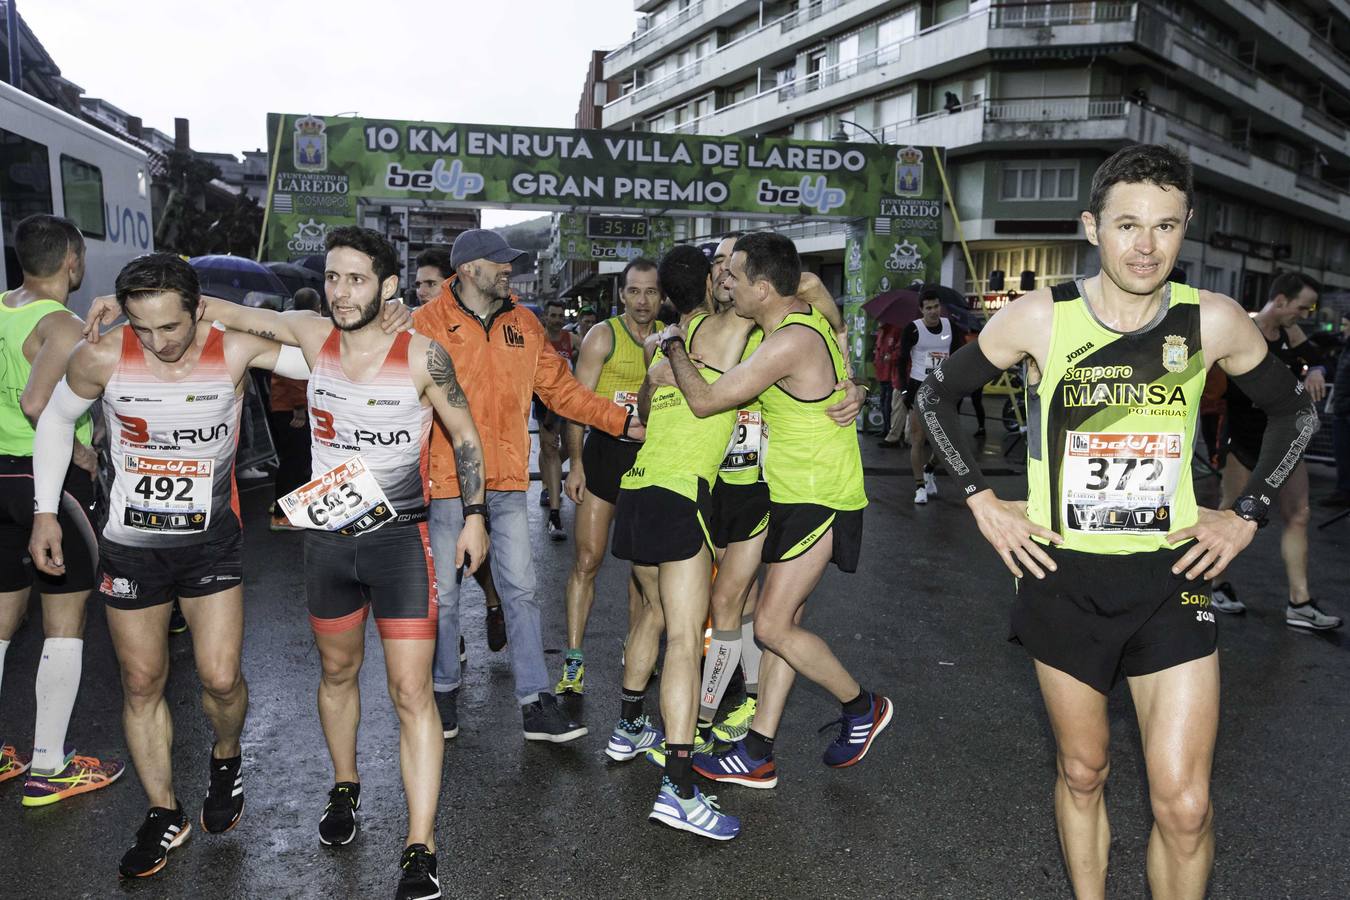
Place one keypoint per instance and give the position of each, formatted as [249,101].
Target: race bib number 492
[347,496]
[167,495]
[1121,483]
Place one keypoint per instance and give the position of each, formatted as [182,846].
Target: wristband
[476,509]
[668,342]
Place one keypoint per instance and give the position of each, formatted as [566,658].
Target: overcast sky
[225,65]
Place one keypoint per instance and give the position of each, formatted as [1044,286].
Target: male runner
[814,472]
[434,267]
[172,394]
[925,343]
[1293,296]
[37,333]
[611,363]
[371,401]
[552,453]
[1112,535]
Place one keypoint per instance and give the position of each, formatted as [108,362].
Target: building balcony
[1302,46]
[698,16]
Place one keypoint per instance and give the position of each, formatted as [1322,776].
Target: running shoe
[546,720]
[418,881]
[447,703]
[12,762]
[856,733]
[735,765]
[1224,598]
[625,744]
[337,826]
[698,815]
[496,628]
[163,830]
[224,802]
[81,775]
[737,723]
[177,624]
[463,651]
[573,679]
[930,483]
[543,496]
[1307,615]
[920,496]
[555,529]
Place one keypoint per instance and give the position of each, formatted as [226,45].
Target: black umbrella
[316,262]
[240,280]
[296,277]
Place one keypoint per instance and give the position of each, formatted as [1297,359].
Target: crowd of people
[715,455]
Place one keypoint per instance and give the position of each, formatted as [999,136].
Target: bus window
[82,185]
[25,189]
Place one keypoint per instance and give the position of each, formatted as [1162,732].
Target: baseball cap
[479,243]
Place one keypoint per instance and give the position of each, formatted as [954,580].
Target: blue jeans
[513,572]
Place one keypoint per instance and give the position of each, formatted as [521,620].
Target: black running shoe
[163,830]
[177,624]
[463,651]
[447,702]
[546,720]
[338,825]
[224,802]
[419,880]
[496,628]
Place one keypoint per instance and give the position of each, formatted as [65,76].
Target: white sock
[723,654]
[4,645]
[750,654]
[58,681]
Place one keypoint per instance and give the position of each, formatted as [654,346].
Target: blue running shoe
[625,744]
[736,766]
[856,733]
[698,815]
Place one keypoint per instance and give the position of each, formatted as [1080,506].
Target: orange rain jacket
[500,363]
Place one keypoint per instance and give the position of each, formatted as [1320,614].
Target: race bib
[743,451]
[347,496]
[935,358]
[628,400]
[172,495]
[1121,483]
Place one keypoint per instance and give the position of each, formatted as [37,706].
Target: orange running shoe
[83,774]
[12,762]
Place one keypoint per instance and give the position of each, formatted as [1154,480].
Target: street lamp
[842,135]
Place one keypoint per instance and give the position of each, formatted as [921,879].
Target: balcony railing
[813,10]
[683,17]
[1054,109]
[1058,12]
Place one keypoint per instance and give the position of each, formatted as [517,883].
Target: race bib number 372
[1121,483]
[347,496]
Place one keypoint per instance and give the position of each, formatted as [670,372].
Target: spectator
[885,357]
[1340,420]
[952,103]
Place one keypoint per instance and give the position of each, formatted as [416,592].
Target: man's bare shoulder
[1221,309]
[600,339]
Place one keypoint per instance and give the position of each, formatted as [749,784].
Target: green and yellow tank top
[741,463]
[625,367]
[809,458]
[1111,426]
[681,449]
[16,432]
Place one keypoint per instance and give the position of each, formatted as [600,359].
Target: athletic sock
[724,652]
[757,745]
[630,709]
[555,516]
[750,654]
[680,768]
[576,653]
[4,645]
[58,681]
[859,705]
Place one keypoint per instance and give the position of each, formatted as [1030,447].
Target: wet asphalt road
[953,802]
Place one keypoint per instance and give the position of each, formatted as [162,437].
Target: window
[894,110]
[1051,180]
[892,31]
[25,181]
[813,130]
[82,186]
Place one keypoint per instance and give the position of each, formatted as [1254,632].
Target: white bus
[52,162]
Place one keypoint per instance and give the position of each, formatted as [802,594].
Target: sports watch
[1253,510]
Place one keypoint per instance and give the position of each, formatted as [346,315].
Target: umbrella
[296,277]
[316,262]
[240,280]
[893,307]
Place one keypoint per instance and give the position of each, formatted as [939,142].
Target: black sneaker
[338,825]
[224,802]
[496,628]
[447,703]
[463,651]
[545,720]
[163,830]
[555,527]
[177,624]
[543,496]
[419,880]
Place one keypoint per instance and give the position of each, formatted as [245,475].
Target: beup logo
[905,257]
[451,180]
[816,194]
[309,237]
[310,145]
[909,172]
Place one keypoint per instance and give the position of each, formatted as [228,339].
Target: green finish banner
[323,165]
[574,244]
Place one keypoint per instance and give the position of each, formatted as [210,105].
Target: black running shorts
[605,459]
[653,525]
[1100,616]
[795,528]
[389,569]
[78,540]
[739,512]
[142,577]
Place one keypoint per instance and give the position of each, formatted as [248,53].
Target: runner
[1293,297]
[1112,536]
[925,343]
[371,402]
[814,472]
[610,362]
[172,394]
[37,333]
[552,453]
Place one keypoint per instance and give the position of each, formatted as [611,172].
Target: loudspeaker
[1028,281]
[996,280]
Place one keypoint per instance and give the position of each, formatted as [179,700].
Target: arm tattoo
[442,372]
[469,469]
[269,335]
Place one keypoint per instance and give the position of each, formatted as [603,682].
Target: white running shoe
[920,496]
[930,483]
[1307,615]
